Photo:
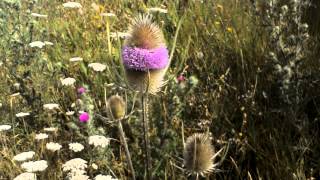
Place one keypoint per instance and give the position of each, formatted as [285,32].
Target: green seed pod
[116,107]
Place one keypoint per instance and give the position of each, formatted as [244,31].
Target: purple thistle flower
[181,78]
[81,90]
[84,117]
[145,59]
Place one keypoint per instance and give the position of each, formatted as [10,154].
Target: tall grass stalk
[108,37]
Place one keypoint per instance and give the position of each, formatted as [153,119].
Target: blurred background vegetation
[231,87]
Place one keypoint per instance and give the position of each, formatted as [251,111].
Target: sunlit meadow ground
[239,72]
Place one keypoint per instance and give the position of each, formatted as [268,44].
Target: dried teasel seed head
[116,107]
[143,33]
[198,154]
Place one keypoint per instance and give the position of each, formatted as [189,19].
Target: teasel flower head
[144,33]
[145,56]
[116,107]
[198,154]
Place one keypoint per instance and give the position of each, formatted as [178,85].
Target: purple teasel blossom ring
[145,59]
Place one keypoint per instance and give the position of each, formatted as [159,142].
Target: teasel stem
[123,138]
[197,177]
[145,120]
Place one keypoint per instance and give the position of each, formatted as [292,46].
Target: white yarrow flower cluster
[50,129]
[75,167]
[41,136]
[24,156]
[97,66]
[75,59]
[68,81]
[53,146]
[94,166]
[72,5]
[70,113]
[98,140]
[4,127]
[34,166]
[22,114]
[39,15]
[157,9]
[108,14]
[38,44]
[15,94]
[76,147]
[26,176]
[51,106]
[104,177]
[119,34]
[48,43]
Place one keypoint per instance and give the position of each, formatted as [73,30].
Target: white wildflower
[108,14]
[98,140]
[17,85]
[24,156]
[53,146]
[97,66]
[38,44]
[157,9]
[41,136]
[75,59]
[22,114]
[34,166]
[119,34]
[50,129]
[39,15]
[14,94]
[26,176]
[72,5]
[4,127]
[104,177]
[68,81]
[70,113]
[48,43]
[80,112]
[75,165]
[76,147]
[94,166]
[51,106]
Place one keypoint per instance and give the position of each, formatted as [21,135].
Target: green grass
[231,90]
